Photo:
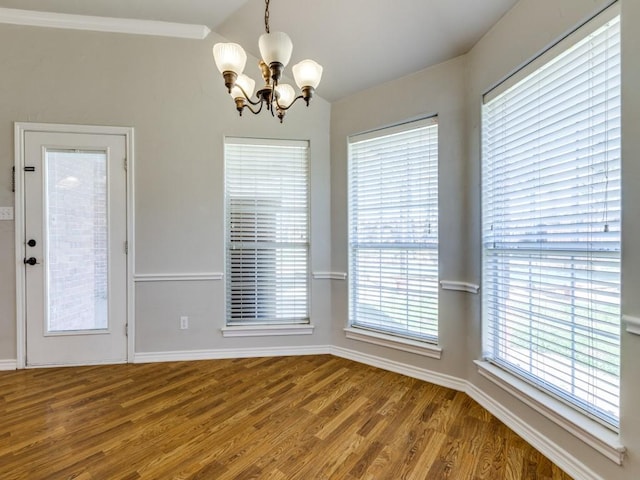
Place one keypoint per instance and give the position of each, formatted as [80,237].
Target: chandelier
[275,50]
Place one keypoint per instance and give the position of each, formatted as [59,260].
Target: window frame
[256,327]
[597,433]
[375,334]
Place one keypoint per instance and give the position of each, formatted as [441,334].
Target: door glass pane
[76,226]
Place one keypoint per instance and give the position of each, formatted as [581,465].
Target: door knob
[31,243]
[30,260]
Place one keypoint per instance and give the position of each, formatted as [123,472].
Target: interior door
[75,204]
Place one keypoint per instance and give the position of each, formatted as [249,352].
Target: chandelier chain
[266,15]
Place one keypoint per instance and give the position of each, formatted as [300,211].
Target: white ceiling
[360,43]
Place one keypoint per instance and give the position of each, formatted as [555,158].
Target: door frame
[20,129]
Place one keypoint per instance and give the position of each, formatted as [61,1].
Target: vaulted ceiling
[360,43]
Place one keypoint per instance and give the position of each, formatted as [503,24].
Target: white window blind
[393,230]
[551,223]
[267,231]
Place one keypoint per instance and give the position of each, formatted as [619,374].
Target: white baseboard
[441,379]
[542,443]
[527,431]
[189,355]
[8,365]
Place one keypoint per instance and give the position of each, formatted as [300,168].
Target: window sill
[267,330]
[589,431]
[391,341]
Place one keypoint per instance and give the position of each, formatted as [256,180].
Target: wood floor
[311,418]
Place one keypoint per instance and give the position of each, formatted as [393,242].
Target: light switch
[6,213]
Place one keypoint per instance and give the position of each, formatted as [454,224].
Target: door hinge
[126,329]
[13,179]
[125,163]
[126,247]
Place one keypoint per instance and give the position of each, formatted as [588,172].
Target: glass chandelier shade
[286,94]
[307,73]
[229,57]
[275,47]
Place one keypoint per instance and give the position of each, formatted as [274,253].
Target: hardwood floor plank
[427,456]
[294,418]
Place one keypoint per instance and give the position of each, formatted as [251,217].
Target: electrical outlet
[6,213]
[184,323]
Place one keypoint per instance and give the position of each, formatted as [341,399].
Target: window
[551,221]
[393,230]
[267,231]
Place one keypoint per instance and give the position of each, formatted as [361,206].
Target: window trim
[388,340]
[267,330]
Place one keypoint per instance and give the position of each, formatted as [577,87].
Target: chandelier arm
[255,112]
[246,97]
[284,109]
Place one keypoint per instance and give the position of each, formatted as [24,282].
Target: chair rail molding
[459,286]
[329,275]
[633,324]
[177,277]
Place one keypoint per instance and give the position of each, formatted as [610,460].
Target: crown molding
[32,18]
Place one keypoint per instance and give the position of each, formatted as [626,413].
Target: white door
[75,228]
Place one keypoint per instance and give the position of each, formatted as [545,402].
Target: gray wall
[454,90]
[171,93]
[437,90]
